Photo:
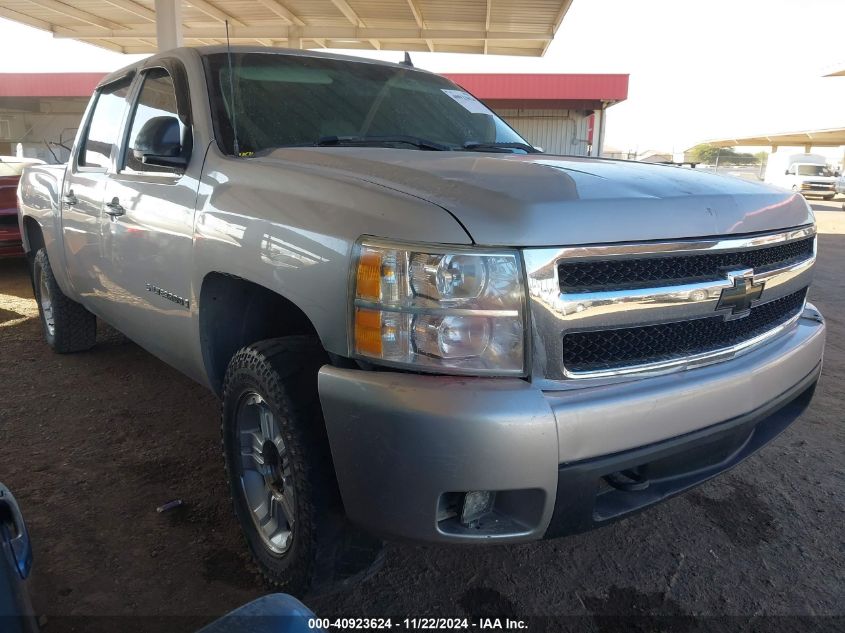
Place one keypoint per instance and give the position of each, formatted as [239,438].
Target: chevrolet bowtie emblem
[740,297]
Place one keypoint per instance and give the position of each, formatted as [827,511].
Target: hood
[545,200]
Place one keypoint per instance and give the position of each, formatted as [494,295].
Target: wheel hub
[273,467]
[265,473]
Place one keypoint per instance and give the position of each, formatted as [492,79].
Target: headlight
[445,309]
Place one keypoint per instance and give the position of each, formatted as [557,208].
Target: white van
[807,174]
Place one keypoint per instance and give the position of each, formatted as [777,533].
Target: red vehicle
[10,234]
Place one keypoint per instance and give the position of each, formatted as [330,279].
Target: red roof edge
[543,87]
[499,87]
[48,84]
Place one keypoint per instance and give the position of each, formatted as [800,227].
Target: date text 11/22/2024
[431,624]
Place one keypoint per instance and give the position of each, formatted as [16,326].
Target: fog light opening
[476,504]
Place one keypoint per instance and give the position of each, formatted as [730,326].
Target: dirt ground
[91,443]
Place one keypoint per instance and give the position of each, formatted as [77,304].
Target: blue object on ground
[273,613]
[15,561]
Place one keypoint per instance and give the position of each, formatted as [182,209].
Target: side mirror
[160,143]
[787,172]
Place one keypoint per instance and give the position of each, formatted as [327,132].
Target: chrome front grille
[618,348]
[609,310]
[668,269]
[818,185]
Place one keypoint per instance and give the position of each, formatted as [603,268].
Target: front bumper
[406,446]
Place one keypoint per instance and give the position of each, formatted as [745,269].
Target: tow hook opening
[629,480]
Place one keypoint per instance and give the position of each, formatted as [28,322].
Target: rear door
[83,191]
[148,228]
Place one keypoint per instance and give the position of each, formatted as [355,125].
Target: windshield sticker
[467,101]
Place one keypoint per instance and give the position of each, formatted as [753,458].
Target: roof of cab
[201,51]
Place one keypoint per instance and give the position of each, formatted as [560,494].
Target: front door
[148,231]
[83,191]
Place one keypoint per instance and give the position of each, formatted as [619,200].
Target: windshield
[813,170]
[290,100]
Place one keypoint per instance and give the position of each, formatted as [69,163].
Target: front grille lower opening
[620,348]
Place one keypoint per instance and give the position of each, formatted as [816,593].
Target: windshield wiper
[474,146]
[378,141]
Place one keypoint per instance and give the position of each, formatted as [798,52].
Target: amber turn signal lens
[368,277]
[368,332]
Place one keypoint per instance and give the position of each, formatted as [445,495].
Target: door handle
[69,199]
[114,209]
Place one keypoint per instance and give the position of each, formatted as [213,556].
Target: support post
[598,140]
[294,37]
[168,24]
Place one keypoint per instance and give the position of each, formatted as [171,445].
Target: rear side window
[156,99]
[105,125]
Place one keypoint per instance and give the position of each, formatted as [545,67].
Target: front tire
[279,466]
[67,325]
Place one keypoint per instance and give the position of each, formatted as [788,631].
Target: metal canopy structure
[833,137]
[500,27]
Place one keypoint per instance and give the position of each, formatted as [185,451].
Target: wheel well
[234,313]
[33,240]
[33,237]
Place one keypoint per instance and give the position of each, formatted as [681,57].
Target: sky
[699,69]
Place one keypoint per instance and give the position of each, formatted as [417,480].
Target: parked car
[10,173]
[418,324]
[807,174]
[16,615]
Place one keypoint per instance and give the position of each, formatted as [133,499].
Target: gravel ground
[91,443]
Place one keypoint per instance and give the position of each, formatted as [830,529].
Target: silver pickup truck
[420,326]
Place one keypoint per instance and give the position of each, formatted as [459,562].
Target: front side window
[105,125]
[157,99]
[295,100]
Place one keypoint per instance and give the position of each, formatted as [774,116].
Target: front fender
[292,230]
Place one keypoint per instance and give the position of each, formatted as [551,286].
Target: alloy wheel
[265,473]
[46,305]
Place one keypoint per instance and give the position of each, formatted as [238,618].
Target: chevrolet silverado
[420,326]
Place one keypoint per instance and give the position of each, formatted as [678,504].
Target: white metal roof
[503,27]
[832,137]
